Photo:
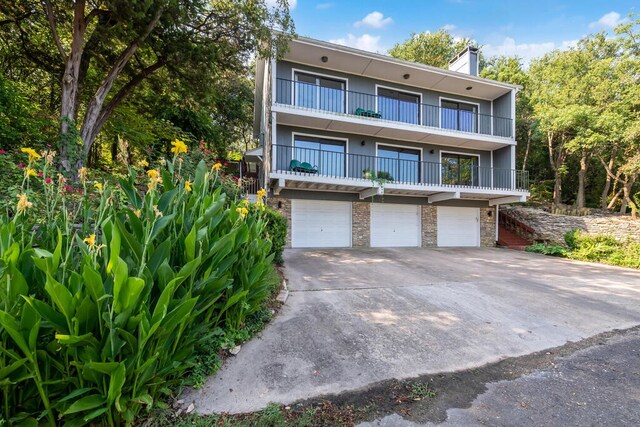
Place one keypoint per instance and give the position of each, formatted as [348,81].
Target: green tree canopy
[435,49]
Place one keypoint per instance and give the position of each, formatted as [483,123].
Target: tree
[435,49]
[102,51]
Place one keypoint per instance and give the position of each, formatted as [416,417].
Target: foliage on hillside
[110,294]
[578,114]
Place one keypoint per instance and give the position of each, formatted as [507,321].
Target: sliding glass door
[459,116]
[398,164]
[460,169]
[327,155]
[319,93]
[399,106]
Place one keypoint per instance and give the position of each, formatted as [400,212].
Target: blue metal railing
[316,97]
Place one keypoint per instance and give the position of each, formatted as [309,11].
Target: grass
[273,415]
[421,391]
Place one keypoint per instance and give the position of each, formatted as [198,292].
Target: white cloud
[526,51]
[609,20]
[323,6]
[364,42]
[274,3]
[449,27]
[374,20]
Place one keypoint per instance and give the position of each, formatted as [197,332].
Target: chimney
[466,61]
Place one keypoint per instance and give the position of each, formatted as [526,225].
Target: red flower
[20,166]
[80,191]
[3,152]
[40,174]
[68,188]
[47,180]
[225,164]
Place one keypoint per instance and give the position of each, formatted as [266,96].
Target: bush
[553,250]
[276,230]
[104,304]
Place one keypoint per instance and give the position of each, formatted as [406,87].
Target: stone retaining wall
[552,227]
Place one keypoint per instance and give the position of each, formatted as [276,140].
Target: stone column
[429,226]
[488,227]
[361,224]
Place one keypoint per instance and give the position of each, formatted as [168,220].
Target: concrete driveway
[358,316]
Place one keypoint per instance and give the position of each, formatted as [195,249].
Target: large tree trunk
[92,119]
[607,186]
[556,160]
[70,83]
[582,175]
[628,185]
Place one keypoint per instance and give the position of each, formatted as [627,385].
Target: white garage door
[395,225]
[458,226]
[320,224]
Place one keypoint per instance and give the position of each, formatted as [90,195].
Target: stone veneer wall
[285,210]
[551,227]
[361,224]
[487,227]
[429,226]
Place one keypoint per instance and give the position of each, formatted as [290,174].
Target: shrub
[276,230]
[104,304]
[542,248]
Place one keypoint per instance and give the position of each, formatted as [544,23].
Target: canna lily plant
[103,301]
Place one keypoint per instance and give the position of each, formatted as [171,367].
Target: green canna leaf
[84,404]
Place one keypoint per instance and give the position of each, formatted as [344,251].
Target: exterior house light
[324,59]
[406,76]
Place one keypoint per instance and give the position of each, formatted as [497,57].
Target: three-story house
[359,149]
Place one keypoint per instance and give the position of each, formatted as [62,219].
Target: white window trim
[313,73]
[460,153]
[444,98]
[379,86]
[420,161]
[336,138]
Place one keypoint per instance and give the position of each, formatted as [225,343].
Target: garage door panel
[458,226]
[394,225]
[320,224]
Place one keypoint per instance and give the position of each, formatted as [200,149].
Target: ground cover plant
[599,248]
[108,291]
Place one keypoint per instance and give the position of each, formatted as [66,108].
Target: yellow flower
[23,203]
[143,163]
[90,241]
[138,212]
[179,147]
[262,193]
[187,186]
[245,202]
[82,173]
[33,154]
[260,205]
[243,212]
[98,186]
[216,166]
[30,172]
[154,179]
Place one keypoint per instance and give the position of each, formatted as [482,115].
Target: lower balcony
[457,178]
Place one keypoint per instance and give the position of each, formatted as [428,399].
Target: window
[399,106]
[459,169]
[401,164]
[320,93]
[327,155]
[459,116]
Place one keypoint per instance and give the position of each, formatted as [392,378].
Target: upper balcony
[400,115]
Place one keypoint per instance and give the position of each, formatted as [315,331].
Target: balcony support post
[444,196]
[508,199]
[371,192]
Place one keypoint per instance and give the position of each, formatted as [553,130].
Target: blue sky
[527,28]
